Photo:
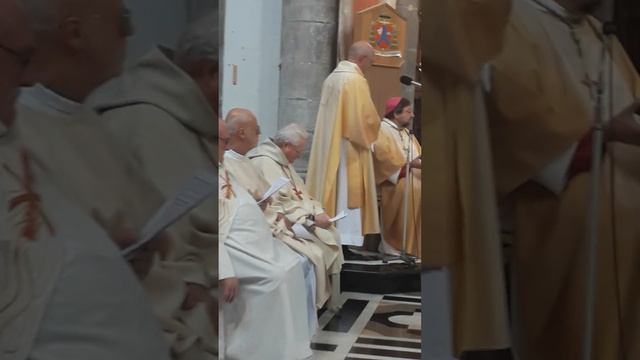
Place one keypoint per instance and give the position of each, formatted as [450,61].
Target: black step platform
[374,276]
[380,278]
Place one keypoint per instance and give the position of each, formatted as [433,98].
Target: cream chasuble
[297,205]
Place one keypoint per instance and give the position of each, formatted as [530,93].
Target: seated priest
[244,132]
[274,158]
[261,280]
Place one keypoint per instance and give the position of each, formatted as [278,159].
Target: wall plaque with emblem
[385,30]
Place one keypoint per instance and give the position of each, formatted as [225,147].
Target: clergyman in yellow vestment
[459,211]
[396,147]
[340,173]
[542,101]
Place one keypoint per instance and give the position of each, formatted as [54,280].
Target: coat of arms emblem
[384,37]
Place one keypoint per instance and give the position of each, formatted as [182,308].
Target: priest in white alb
[243,129]
[262,282]
[82,156]
[66,292]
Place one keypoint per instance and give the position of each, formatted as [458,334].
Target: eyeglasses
[23,57]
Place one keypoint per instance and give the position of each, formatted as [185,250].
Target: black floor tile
[344,319]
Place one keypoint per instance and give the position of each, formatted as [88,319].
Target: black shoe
[350,255]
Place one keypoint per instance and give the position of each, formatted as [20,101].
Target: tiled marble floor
[370,326]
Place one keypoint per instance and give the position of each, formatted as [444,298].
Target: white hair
[291,134]
[199,41]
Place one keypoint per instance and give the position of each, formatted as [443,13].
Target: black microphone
[409,81]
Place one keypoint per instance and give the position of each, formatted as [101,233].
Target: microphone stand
[408,259]
[594,198]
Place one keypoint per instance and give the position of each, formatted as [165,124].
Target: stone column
[307,56]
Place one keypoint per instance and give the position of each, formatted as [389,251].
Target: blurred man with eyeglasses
[80,45]
[66,291]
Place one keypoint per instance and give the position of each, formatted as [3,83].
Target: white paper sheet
[277,185]
[340,215]
[190,195]
[302,232]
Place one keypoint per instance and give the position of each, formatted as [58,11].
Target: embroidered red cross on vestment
[30,199]
[296,191]
[226,186]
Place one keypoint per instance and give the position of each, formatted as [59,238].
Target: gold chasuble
[541,108]
[459,210]
[346,113]
[390,156]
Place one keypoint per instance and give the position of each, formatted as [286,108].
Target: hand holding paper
[190,195]
[301,232]
[322,221]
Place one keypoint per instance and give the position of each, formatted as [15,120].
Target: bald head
[361,53]
[243,129]
[17,47]
[81,44]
